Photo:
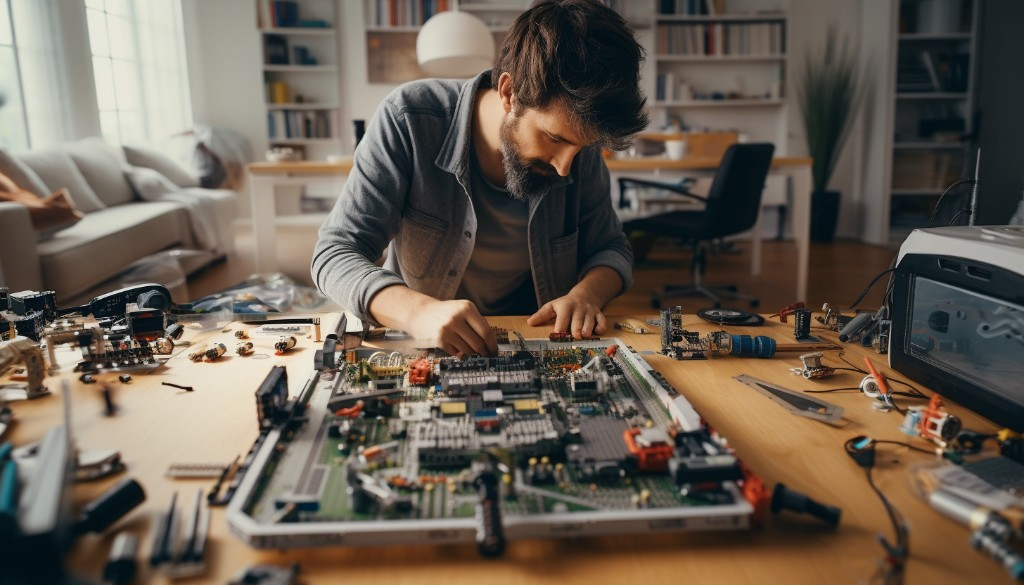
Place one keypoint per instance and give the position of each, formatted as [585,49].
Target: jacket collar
[454,155]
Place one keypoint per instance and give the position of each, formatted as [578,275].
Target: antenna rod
[974,191]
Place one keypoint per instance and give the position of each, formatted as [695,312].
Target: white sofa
[119,226]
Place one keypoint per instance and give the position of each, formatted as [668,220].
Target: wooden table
[158,425]
[264,179]
[796,170]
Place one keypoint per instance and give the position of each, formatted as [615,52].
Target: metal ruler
[795,402]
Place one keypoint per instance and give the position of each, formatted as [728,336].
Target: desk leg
[264,231]
[755,245]
[800,183]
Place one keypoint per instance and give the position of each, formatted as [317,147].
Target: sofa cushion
[56,169]
[149,184]
[139,156]
[103,167]
[106,241]
[22,175]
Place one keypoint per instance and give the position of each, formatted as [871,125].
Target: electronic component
[115,303]
[214,352]
[110,506]
[540,437]
[121,563]
[802,326]
[958,318]
[813,368]
[244,348]
[931,422]
[284,344]
[784,312]
[631,325]
[198,352]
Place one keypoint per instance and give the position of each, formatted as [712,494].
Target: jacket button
[452,273]
[467,234]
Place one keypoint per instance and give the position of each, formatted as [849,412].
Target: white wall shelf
[300,30]
[302,106]
[932,95]
[727,103]
[733,58]
[766,17]
[301,68]
[928,145]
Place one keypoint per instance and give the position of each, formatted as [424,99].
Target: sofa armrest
[19,259]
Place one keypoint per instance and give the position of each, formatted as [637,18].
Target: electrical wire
[957,216]
[935,210]
[896,555]
[867,288]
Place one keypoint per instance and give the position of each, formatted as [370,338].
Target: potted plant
[829,90]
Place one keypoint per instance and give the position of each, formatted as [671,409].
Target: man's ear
[505,91]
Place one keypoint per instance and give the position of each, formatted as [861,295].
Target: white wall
[808,23]
[222,46]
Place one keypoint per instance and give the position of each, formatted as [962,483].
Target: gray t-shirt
[498,278]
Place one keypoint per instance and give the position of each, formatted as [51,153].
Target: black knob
[784,498]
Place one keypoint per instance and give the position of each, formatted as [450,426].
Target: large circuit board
[548,439]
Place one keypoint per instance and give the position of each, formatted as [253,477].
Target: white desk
[796,170]
[264,179]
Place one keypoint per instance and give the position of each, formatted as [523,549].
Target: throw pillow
[49,214]
[139,156]
[21,174]
[150,185]
[56,169]
[103,167]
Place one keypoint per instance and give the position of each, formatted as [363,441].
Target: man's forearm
[600,284]
[397,306]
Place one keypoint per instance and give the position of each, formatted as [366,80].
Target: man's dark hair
[581,55]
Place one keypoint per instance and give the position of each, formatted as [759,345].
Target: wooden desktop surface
[159,425]
[691,163]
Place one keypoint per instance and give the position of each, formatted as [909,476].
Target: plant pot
[824,215]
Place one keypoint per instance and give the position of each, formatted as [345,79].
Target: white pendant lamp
[454,44]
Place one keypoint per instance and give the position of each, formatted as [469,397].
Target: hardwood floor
[838,272]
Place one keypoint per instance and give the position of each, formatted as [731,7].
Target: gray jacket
[410,188]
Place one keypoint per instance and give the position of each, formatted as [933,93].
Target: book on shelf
[929,67]
[691,7]
[302,124]
[277,13]
[275,50]
[388,13]
[722,39]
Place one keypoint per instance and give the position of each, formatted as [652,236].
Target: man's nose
[562,161]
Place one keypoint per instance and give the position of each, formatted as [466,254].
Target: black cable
[907,445]
[831,390]
[896,556]
[958,214]
[935,210]
[867,289]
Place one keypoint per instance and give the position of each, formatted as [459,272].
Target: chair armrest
[19,258]
[681,189]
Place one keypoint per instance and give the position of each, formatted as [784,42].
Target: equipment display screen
[975,338]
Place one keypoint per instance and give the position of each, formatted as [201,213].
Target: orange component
[883,386]
[560,336]
[611,350]
[788,310]
[933,417]
[755,493]
[420,372]
[652,457]
[351,411]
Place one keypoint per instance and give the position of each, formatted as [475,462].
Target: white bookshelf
[302,92]
[923,108]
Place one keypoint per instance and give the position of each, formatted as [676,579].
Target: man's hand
[575,313]
[456,327]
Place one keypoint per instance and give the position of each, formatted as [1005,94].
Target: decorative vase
[824,215]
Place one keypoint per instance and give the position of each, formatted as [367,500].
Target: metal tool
[794,401]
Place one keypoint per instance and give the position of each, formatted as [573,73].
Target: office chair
[731,206]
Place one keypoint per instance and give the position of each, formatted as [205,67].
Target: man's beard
[524,179]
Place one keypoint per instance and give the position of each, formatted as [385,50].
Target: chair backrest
[734,200]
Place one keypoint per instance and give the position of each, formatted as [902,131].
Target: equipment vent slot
[949,265]
[979,273]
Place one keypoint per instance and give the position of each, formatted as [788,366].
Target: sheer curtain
[138,61]
[31,75]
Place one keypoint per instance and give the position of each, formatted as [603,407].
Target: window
[13,128]
[138,62]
